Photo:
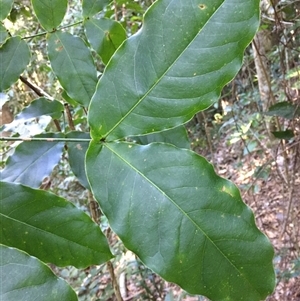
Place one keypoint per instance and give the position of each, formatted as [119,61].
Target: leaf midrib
[162,76]
[46,232]
[181,210]
[79,75]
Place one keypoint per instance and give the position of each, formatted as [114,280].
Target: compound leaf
[175,66]
[49,227]
[14,57]
[182,220]
[72,62]
[32,161]
[50,13]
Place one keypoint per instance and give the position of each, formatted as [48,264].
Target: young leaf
[3,34]
[5,6]
[105,36]
[41,106]
[49,227]
[183,221]
[72,62]
[76,152]
[176,136]
[25,278]
[33,160]
[175,66]
[14,57]
[92,7]
[50,13]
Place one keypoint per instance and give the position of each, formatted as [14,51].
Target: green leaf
[50,13]
[3,34]
[41,106]
[183,221]
[175,66]
[72,62]
[25,278]
[14,57]
[68,99]
[5,8]
[32,161]
[49,227]
[284,109]
[287,134]
[176,136]
[76,153]
[105,36]
[92,7]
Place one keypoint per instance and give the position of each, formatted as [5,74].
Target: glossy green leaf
[14,57]
[25,278]
[50,13]
[176,136]
[183,221]
[175,66]
[41,106]
[72,62]
[3,34]
[105,36]
[49,227]
[284,109]
[76,153]
[5,8]
[92,7]
[32,161]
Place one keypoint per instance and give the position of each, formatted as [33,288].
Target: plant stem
[44,139]
[35,88]
[96,216]
[114,281]
[40,93]
[45,32]
[69,116]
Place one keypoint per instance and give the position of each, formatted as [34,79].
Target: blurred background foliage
[252,136]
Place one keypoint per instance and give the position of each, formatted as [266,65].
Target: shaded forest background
[251,136]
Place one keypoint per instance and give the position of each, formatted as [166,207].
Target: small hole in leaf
[202,6]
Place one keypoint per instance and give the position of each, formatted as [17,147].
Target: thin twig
[291,193]
[45,32]
[69,116]
[40,93]
[114,281]
[94,208]
[95,213]
[116,10]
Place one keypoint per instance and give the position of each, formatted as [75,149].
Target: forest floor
[276,208]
